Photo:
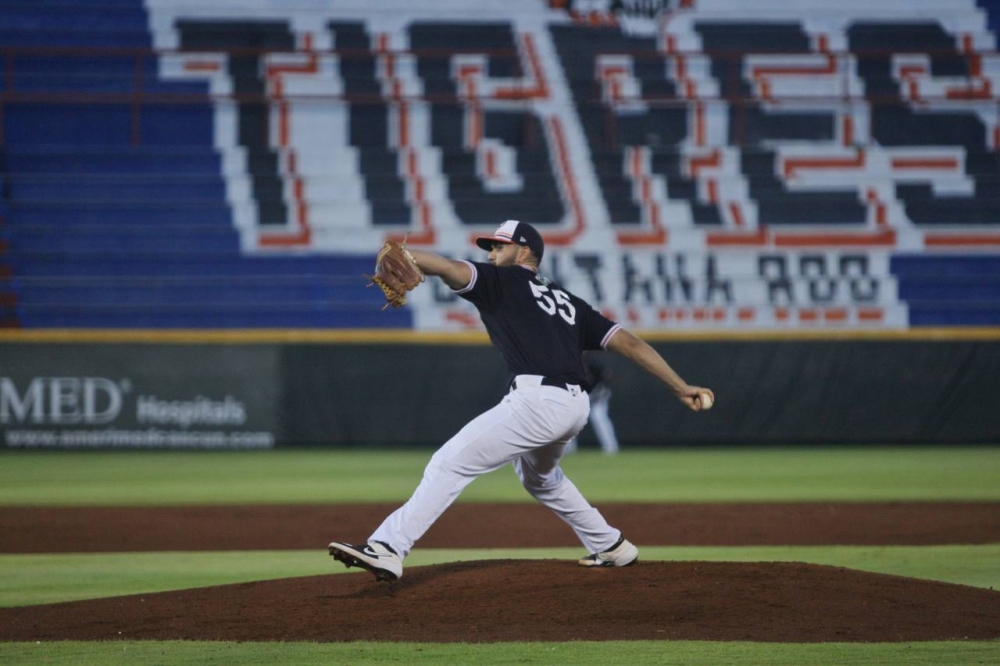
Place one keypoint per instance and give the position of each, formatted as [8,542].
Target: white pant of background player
[600,421]
[529,427]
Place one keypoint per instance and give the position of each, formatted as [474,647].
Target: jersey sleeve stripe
[472,280]
[610,334]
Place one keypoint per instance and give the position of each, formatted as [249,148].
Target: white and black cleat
[622,554]
[375,557]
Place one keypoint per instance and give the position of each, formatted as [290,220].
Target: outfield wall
[200,390]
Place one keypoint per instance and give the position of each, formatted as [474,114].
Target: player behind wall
[541,331]
[599,378]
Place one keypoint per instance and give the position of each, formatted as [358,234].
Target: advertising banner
[398,394]
[137,396]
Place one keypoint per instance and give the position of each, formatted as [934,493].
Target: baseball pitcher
[541,331]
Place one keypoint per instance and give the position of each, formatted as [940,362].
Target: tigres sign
[715,164]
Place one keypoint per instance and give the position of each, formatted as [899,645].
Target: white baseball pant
[530,427]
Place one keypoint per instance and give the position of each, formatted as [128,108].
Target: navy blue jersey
[538,327]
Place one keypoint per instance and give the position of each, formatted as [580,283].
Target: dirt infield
[471,525]
[507,600]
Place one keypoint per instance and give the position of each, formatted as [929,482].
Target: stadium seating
[171,164]
[118,215]
[8,297]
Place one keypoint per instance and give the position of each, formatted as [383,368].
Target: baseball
[706,400]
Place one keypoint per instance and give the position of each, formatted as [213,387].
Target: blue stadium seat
[164,214]
[204,263]
[274,315]
[102,188]
[950,289]
[73,37]
[118,238]
[44,16]
[141,160]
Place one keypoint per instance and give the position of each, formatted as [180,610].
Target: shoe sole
[349,561]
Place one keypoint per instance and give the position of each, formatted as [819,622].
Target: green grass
[978,566]
[578,652]
[37,579]
[803,474]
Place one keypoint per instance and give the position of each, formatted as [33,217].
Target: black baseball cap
[519,233]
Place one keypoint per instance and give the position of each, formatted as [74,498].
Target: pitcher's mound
[539,600]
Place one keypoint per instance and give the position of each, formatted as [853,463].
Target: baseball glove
[396,273]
